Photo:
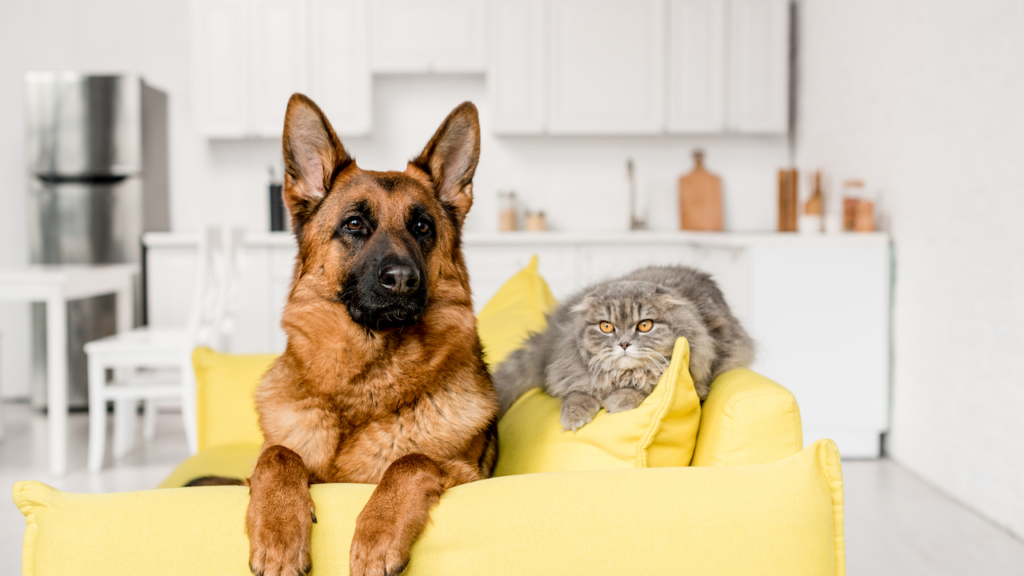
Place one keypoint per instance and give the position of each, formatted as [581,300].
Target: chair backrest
[210,283]
[231,296]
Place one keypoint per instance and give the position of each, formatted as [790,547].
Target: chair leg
[97,377]
[149,419]
[188,404]
[125,415]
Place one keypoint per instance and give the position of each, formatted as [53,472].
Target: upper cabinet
[729,66]
[340,81]
[640,66]
[759,66]
[278,69]
[250,56]
[220,62]
[696,95]
[606,66]
[563,67]
[518,75]
[428,36]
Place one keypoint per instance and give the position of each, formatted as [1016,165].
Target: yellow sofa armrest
[747,419]
[780,518]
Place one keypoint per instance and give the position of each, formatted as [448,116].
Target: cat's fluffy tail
[521,371]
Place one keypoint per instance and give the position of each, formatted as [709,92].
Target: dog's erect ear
[450,158]
[313,157]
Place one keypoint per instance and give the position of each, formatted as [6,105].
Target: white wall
[925,101]
[579,183]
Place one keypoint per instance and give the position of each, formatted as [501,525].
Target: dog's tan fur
[411,409]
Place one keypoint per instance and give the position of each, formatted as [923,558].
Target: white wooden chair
[152,364]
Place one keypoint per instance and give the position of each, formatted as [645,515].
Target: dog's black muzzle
[388,293]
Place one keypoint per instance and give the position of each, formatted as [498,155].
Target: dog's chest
[433,424]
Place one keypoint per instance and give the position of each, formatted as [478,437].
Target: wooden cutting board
[700,198]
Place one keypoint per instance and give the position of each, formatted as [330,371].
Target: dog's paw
[280,547]
[279,535]
[378,551]
[577,410]
[623,399]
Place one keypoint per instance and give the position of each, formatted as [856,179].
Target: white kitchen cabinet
[220,42]
[606,71]
[417,36]
[758,66]
[250,56]
[697,64]
[278,45]
[340,81]
[516,78]
[817,306]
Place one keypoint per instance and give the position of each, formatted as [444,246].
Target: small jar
[535,222]
[508,217]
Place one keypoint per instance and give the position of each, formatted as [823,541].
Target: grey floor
[896,524]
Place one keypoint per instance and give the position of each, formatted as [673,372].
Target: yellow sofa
[752,501]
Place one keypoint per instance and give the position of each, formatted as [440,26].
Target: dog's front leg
[280,514]
[397,511]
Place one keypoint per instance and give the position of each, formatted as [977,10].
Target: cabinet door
[428,35]
[759,66]
[607,66]
[697,66]
[340,80]
[279,62]
[516,77]
[220,67]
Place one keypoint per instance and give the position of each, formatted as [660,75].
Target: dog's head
[377,242]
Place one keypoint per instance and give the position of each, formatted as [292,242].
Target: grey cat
[608,344]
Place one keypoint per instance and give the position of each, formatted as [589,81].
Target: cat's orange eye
[606,327]
[645,325]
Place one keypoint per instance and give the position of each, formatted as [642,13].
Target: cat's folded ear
[668,298]
[583,305]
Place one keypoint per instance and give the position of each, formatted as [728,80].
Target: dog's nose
[399,278]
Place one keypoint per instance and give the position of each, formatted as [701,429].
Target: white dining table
[54,285]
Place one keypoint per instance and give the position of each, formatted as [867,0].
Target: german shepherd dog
[383,380]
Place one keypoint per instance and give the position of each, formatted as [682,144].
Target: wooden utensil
[787,200]
[700,198]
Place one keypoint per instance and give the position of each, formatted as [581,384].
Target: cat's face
[629,325]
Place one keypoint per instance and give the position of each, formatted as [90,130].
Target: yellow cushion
[225,409]
[747,419]
[659,432]
[771,519]
[229,461]
[516,311]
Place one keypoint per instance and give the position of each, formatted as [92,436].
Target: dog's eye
[606,327]
[645,325]
[354,224]
[422,227]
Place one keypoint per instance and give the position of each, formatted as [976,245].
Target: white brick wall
[924,99]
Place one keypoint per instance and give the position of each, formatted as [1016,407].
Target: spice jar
[508,217]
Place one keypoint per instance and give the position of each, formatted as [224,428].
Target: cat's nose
[624,345]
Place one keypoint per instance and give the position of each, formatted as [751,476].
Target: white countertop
[497,239]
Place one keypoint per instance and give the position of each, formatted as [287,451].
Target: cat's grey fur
[577,362]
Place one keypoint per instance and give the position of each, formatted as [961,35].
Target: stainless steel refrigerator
[96,149]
